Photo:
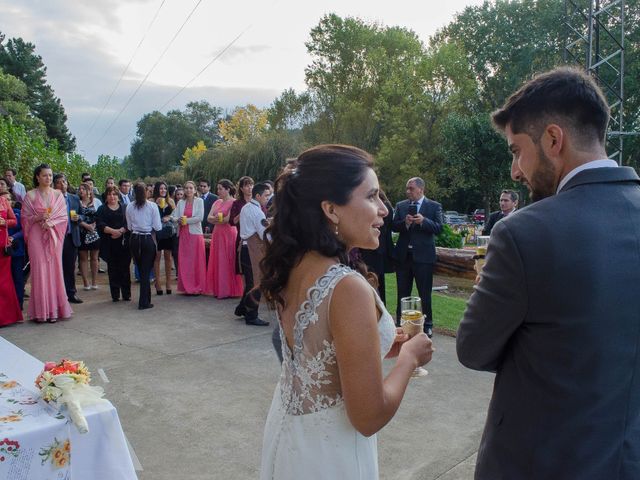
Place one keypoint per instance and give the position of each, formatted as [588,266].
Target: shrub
[448,238]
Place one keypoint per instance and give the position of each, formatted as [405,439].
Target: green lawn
[447,310]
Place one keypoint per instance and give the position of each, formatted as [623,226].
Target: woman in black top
[165,244]
[114,244]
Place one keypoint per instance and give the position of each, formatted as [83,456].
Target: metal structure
[595,40]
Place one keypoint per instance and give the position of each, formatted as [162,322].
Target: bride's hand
[400,338]
[419,348]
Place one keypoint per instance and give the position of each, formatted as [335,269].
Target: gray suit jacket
[557,315]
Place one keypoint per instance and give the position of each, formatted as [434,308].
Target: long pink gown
[9,306]
[48,299]
[222,279]
[192,262]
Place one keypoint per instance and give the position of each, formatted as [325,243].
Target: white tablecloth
[39,443]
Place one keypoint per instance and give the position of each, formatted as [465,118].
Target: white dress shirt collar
[604,163]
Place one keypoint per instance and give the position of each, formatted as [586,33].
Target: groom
[556,312]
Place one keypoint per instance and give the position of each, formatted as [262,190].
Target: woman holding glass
[332,396]
[222,279]
[114,244]
[10,311]
[165,245]
[89,237]
[191,255]
[44,225]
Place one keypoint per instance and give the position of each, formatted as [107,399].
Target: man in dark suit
[124,185]
[418,220]
[556,313]
[508,204]
[71,239]
[209,199]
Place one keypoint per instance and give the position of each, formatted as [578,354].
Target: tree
[475,157]
[162,139]
[243,124]
[13,95]
[18,58]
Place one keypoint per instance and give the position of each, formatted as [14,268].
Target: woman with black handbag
[89,237]
[114,244]
[166,236]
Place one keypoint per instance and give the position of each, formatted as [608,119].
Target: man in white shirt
[16,187]
[253,223]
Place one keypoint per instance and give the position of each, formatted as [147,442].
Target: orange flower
[9,384]
[67,445]
[60,461]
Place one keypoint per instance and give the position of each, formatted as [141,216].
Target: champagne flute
[412,323]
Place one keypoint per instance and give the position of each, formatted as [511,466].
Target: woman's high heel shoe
[168,292]
[158,292]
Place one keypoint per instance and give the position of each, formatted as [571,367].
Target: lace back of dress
[310,379]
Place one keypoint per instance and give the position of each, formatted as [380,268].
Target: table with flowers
[39,442]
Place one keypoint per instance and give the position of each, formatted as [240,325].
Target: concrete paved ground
[192,385]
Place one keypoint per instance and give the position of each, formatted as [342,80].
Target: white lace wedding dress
[308,434]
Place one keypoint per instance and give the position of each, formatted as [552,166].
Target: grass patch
[447,310]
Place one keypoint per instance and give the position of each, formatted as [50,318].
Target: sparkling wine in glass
[412,323]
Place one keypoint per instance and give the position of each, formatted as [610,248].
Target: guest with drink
[89,237]
[222,279]
[45,225]
[192,259]
[165,244]
[9,305]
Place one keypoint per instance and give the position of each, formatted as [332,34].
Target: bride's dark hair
[324,172]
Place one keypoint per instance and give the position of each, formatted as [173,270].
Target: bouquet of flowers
[67,383]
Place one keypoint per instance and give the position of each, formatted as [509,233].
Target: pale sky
[86,46]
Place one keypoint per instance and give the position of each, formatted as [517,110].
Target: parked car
[452,217]
[478,215]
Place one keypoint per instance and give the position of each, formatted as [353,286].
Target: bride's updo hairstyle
[324,172]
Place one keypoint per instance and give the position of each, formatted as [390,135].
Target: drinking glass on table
[412,323]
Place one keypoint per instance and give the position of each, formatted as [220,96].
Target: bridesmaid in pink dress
[222,279]
[44,224]
[9,306]
[192,263]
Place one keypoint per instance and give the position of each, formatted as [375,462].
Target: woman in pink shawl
[44,223]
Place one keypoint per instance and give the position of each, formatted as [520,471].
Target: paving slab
[192,384]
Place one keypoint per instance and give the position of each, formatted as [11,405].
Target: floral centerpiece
[67,383]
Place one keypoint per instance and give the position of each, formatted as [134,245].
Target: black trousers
[143,251]
[119,271]
[250,298]
[406,272]
[69,260]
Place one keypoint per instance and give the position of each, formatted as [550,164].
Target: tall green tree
[162,138]
[18,58]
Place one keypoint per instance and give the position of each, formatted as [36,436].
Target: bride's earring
[336,229]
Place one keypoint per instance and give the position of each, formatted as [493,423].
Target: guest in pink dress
[9,306]
[222,279]
[44,224]
[192,263]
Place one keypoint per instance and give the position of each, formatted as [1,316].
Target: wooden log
[455,262]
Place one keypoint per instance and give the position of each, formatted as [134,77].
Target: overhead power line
[124,71]
[218,55]
[147,75]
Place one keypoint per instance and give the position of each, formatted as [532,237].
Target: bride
[332,397]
